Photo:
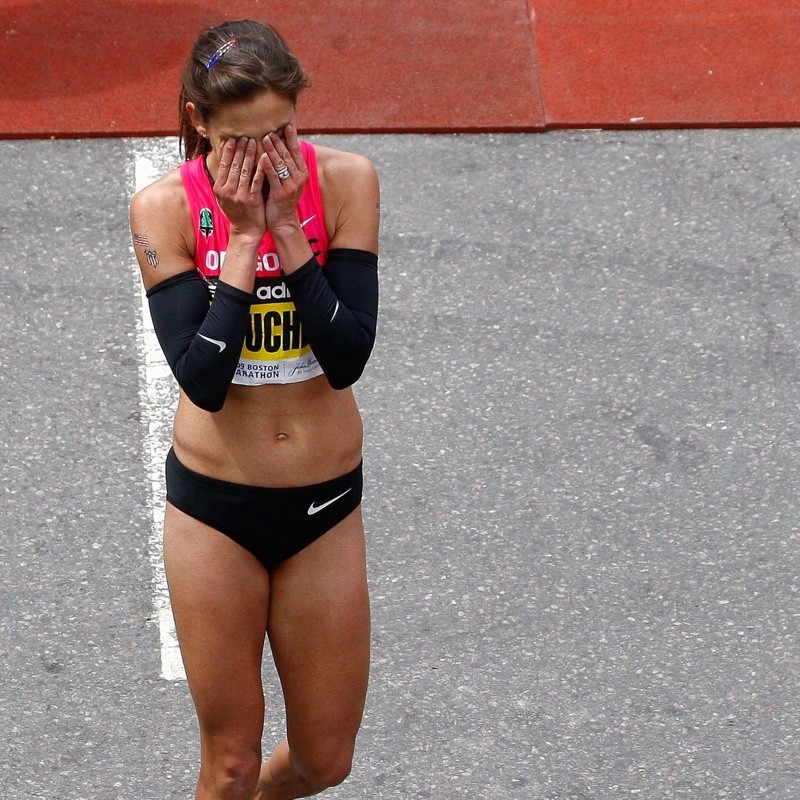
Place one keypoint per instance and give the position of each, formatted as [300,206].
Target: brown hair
[259,60]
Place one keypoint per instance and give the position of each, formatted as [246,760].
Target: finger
[281,159]
[293,144]
[290,137]
[260,178]
[236,162]
[249,157]
[290,152]
[270,172]
[284,151]
[225,161]
[274,148]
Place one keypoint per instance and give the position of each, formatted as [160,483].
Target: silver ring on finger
[282,171]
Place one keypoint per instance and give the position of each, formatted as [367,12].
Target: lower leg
[281,779]
[228,777]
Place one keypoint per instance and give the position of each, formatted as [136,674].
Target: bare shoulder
[351,196]
[162,197]
[338,168]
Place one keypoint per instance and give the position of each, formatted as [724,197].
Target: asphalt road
[581,475]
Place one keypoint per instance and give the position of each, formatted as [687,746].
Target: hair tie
[221,52]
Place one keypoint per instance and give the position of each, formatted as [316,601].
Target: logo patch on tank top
[206,222]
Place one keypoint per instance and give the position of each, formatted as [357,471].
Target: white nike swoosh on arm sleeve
[217,342]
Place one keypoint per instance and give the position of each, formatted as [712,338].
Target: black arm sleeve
[202,343]
[338,309]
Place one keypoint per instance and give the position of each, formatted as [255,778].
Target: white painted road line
[157,399]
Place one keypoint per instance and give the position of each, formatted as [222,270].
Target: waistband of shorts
[174,463]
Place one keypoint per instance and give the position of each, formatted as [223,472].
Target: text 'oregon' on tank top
[275,349]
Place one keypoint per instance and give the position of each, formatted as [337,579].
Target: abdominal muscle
[274,435]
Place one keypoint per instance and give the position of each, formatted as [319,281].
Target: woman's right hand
[238,188]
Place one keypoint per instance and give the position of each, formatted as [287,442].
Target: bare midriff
[273,435]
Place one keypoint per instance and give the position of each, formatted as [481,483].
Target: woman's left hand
[281,205]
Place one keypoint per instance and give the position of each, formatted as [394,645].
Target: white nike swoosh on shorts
[217,342]
[312,509]
[306,221]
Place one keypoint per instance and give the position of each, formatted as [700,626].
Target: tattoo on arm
[140,240]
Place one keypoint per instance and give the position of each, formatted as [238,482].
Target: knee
[328,768]
[231,773]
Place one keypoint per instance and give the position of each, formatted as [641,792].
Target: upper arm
[352,201]
[158,216]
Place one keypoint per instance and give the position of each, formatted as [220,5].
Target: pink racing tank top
[275,349]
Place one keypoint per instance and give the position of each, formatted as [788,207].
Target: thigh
[319,632]
[220,600]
